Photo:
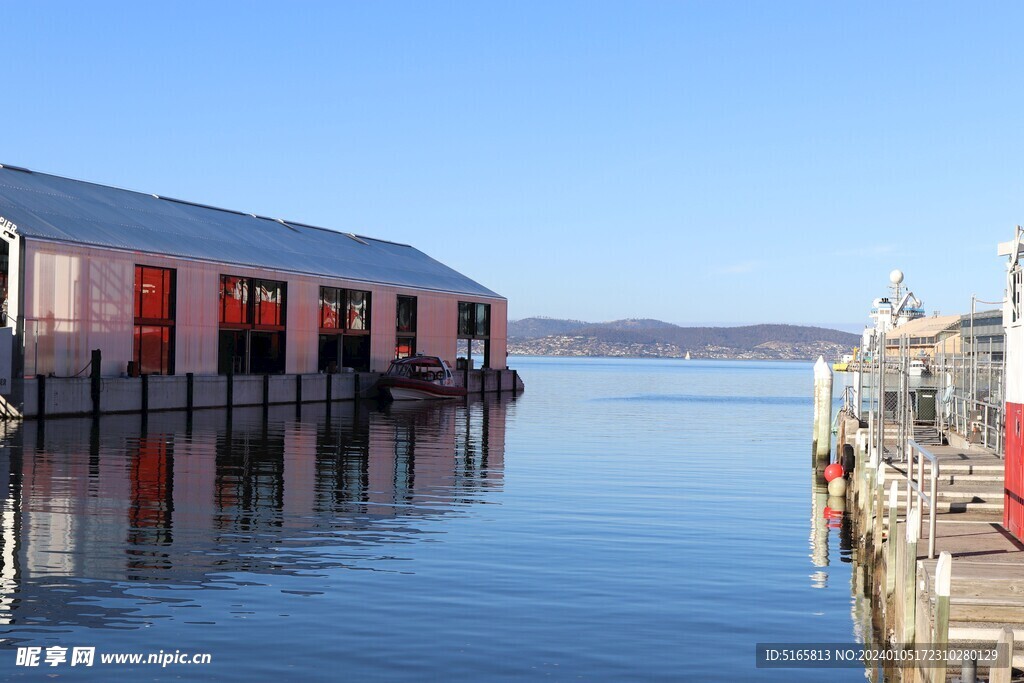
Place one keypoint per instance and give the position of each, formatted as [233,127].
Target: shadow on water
[94,510]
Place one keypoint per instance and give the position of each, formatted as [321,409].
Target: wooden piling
[190,387]
[95,383]
[943,576]
[877,504]
[822,408]
[910,575]
[1004,673]
[231,387]
[145,395]
[41,397]
[890,559]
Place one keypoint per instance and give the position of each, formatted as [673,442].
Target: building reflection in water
[91,508]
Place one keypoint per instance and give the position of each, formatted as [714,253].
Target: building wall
[80,298]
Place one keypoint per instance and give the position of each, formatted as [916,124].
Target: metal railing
[976,419]
[915,461]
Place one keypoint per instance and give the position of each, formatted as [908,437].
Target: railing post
[920,485]
[933,502]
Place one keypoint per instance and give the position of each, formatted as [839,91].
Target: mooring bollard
[910,575]
[822,408]
[943,577]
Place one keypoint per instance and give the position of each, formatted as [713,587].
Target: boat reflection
[94,510]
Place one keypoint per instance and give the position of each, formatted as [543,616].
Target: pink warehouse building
[162,286]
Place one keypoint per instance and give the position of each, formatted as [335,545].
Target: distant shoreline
[678,358]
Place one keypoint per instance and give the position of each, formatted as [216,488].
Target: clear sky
[689,161]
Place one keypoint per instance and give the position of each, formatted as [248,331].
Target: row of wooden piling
[889,556]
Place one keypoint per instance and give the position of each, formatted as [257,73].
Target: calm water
[621,520]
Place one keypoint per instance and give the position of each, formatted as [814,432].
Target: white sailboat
[687,355]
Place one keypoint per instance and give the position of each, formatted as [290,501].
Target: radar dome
[896,276]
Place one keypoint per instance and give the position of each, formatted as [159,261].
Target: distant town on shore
[648,338]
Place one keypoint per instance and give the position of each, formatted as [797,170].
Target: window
[330,308]
[153,347]
[405,326]
[252,325]
[269,304]
[358,311]
[474,320]
[475,323]
[234,299]
[344,329]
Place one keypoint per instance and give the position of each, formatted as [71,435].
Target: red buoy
[833,471]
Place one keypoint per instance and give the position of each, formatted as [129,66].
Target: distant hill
[550,336]
[534,328]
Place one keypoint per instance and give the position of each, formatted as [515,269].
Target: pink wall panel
[382,328]
[80,298]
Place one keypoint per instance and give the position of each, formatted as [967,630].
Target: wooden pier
[982,599]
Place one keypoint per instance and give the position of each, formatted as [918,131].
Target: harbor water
[621,520]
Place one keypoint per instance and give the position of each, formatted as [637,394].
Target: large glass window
[474,320]
[153,342]
[475,323]
[252,325]
[344,329]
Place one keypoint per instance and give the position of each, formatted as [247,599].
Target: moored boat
[918,367]
[419,378]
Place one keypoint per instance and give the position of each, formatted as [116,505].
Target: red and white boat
[418,378]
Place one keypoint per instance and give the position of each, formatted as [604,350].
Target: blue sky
[690,161]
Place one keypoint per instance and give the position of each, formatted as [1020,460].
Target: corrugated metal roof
[51,207]
[924,327]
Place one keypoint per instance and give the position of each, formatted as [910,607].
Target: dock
[981,600]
